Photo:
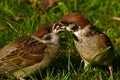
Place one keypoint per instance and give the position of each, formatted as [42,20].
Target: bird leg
[86,65]
[110,69]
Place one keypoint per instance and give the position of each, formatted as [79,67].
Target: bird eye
[49,30]
[75,27]
[65,23]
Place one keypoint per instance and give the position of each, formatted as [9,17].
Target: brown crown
[75,18]
[42,30]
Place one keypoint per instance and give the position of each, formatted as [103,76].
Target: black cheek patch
[48,37]
[76,38]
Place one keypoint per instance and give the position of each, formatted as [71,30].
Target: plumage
[90,42]
[30,53]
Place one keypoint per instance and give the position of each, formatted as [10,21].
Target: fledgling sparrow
[31,53]
[92,45]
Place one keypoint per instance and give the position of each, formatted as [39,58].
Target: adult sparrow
[30,53]
[92,45]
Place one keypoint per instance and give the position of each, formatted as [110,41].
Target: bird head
[75,22]
[48,33]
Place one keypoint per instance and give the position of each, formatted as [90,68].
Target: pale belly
[89,50]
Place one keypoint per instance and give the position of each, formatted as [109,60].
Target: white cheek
[77,33]
[68,28]
[54,39]
[81,32]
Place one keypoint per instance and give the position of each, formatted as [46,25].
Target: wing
[8,48]
[105,41]
[24,52]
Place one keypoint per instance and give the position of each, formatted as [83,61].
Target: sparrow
[30,53]
[92,45]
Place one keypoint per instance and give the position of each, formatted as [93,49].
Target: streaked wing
[25,52]
[8,48]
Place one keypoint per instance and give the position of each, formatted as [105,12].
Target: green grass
[68,65]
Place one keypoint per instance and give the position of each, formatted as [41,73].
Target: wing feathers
[23,52]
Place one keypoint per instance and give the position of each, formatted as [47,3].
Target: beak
[69,26]
[59,27]
[62,26]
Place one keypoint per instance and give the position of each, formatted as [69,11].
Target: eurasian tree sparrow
[92,45]
[30,53]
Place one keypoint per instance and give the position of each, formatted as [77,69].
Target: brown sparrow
[30,53]
[92,45]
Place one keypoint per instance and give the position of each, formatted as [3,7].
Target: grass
[19,18]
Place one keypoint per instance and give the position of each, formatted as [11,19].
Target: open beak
[59,27]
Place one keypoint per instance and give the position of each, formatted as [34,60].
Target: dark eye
[75,27]
[65,23]
[49,30]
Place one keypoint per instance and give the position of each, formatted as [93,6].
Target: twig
[116,18]
[12,27]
